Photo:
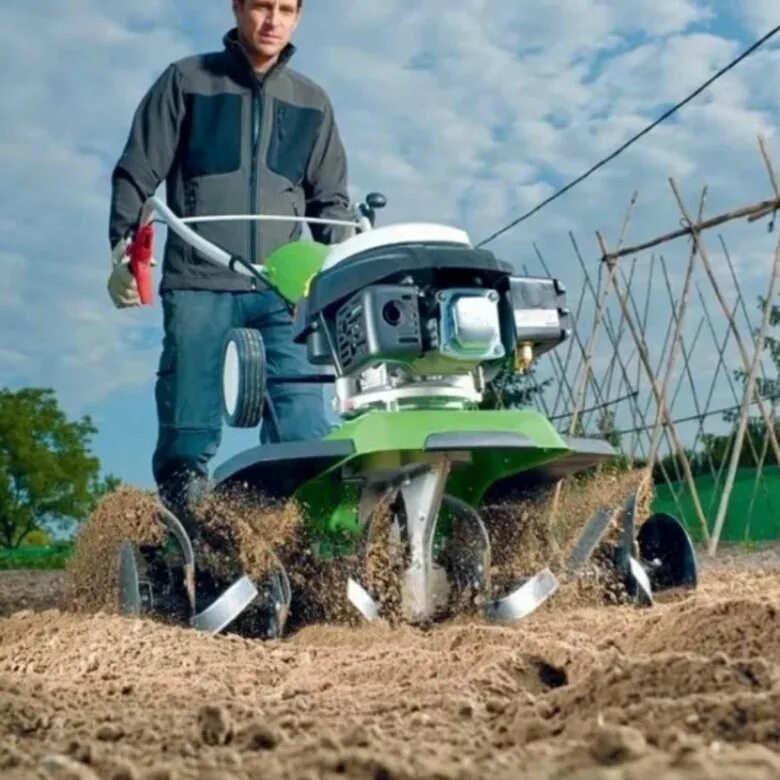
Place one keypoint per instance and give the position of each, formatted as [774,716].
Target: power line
[634,139]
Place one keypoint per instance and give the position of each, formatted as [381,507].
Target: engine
[426,324]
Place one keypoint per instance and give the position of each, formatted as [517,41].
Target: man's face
[266,26]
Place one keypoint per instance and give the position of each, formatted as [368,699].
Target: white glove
[122,286]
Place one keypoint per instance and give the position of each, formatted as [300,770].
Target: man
[232,132]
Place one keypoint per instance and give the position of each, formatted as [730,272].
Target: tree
[46,469]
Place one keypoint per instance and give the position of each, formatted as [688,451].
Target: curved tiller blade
[227,607]
[278,595]
[592,534]
[467,551]
[134,593]
[361,600]
[635,577]
[176,528]
[523,600]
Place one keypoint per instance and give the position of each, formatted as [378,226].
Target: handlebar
[180,226]
[202,245]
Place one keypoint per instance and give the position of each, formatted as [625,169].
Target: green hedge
[753,513]
[53,556]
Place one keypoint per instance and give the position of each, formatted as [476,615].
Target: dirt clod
[617,744]
[123,771]
[214,725]
[109,732]
[259,736]
[60,767]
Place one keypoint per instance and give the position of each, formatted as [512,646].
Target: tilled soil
[689,688]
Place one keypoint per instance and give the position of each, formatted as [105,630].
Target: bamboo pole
[557,358]
[607,321]
[659,399]
[678,314]
[756,211]
[588,355]
[745,409]
[704,255]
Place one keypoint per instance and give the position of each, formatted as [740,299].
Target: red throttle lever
[141,252]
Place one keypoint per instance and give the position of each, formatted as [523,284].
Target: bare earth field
[688,689]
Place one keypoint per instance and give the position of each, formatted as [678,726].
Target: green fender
[291,267]
[388,440]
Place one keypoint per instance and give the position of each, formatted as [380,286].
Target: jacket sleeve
[325,184]
[148,154]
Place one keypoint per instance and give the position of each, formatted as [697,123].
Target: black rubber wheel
[668,552]
[243,378]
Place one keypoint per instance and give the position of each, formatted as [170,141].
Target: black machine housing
[391,304]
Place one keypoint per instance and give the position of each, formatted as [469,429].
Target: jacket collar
[232,45]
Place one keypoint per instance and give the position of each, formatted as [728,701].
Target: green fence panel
[754,505]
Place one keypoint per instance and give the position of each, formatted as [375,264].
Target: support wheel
[243,378]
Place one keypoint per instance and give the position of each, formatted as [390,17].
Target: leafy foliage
[53,556]
[46,469]
[514,391]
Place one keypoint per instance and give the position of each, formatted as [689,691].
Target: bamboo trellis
[651,365]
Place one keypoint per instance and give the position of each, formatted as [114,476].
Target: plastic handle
[141,251]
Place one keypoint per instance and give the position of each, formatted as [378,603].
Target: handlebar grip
[141,251]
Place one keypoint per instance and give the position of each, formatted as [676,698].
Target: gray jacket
[226,141]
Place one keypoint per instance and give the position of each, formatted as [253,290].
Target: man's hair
[300,3]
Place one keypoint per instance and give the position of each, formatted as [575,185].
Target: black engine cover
[379,324]
[440,266]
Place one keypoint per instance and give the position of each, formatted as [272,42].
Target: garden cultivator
[415,327]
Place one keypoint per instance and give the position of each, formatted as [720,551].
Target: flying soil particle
[127,513]
[527,535]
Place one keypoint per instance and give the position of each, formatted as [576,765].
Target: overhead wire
[666,115]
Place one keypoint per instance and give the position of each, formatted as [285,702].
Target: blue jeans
[188,391]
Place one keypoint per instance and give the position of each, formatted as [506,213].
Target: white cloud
[659,17]
[64,116]
[760,15]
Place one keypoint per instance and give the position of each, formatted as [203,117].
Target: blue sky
[464,113]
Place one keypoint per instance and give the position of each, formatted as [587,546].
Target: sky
[463,113]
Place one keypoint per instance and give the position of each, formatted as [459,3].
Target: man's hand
[122,286]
